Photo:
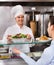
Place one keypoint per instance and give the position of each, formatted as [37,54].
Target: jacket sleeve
[44,60]
[4,40]
[27,59]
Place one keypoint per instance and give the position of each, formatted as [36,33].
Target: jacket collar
[19,26]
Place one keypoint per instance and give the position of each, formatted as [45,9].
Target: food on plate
[43,38]
[20,35]
[19,38]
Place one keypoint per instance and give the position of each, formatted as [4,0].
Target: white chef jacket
[15,29]
[47,57]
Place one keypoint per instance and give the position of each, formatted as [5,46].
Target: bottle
[33,24]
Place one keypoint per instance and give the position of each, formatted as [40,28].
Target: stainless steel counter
[12,62]
[19,61]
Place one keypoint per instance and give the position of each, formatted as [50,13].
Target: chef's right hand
[9,38]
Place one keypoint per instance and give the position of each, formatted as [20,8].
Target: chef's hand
[16,51]
[28,36]
[9,38]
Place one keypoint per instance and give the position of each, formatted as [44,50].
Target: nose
[21,19]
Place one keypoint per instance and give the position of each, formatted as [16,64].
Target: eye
[22,17]
[18,17]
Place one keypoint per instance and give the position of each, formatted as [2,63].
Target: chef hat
[17,10]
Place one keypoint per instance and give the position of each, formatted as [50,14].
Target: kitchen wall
[5,19]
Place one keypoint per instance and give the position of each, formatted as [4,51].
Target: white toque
[17,10]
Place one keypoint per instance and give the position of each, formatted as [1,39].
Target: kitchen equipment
[33,23]
[4,53]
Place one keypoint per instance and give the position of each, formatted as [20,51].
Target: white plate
[49,39]
[21,40]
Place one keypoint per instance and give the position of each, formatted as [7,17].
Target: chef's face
[19,19]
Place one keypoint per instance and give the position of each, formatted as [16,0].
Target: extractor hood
[29,0]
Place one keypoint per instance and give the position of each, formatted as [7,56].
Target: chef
[19,27]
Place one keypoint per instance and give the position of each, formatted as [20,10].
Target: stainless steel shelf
[33,42]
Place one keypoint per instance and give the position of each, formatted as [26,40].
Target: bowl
[49,39]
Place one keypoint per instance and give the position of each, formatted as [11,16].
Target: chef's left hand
[28,36]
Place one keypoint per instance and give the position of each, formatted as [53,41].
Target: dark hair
[51,20]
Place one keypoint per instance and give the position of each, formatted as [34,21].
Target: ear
[52,27]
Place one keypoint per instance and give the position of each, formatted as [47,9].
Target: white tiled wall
[5,19]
